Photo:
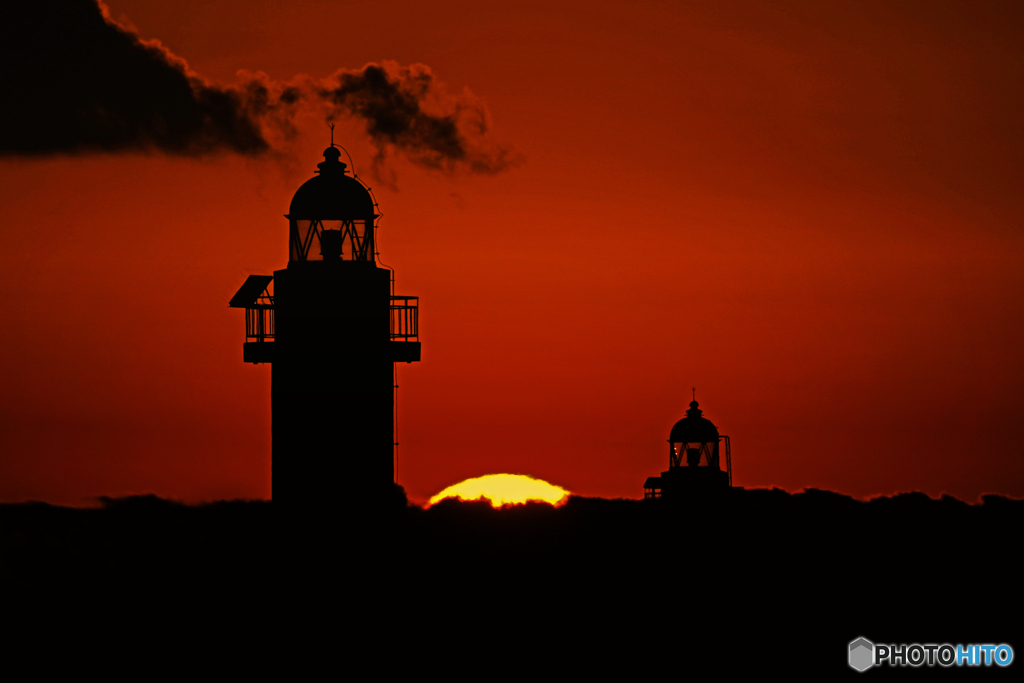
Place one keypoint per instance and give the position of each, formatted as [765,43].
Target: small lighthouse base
[683,482]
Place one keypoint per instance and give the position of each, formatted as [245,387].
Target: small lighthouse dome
[332,194]
[694,428]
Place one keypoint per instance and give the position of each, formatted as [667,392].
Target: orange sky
[811,214]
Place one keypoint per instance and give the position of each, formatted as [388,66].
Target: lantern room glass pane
[708,451]
[311,240]
[297,239]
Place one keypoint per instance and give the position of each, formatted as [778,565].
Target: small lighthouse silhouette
[696,439]
[332,329]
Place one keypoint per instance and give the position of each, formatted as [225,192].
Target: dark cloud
[75,81]
[404,108]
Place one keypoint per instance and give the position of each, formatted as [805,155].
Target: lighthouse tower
[332,329]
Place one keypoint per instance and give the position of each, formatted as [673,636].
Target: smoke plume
[75,81]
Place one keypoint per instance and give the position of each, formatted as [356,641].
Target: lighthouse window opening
[299,239]
[701,453]
[317,240]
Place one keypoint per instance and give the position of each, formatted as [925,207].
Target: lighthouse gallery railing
[405,319]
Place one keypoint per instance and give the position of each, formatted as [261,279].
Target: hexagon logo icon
[862,654]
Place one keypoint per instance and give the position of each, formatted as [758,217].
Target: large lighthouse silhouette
[332,329]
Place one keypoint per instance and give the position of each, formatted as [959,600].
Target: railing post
[728,458]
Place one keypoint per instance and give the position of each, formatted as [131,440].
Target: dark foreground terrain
[757,581]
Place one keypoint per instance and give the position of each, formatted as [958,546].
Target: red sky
[811,213]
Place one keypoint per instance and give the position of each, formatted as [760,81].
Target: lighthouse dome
[332,194]
[694,428]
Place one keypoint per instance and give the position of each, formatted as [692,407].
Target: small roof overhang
[250,291]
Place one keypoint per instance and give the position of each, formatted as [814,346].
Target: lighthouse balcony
[405,318]
[405,329]
[257,300]
[259,323]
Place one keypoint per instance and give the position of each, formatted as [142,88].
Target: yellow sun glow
[504,489]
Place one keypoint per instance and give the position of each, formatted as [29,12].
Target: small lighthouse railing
[405,318]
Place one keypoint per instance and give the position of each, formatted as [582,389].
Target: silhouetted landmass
[728,580]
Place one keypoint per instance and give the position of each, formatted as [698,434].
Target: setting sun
[504,489]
